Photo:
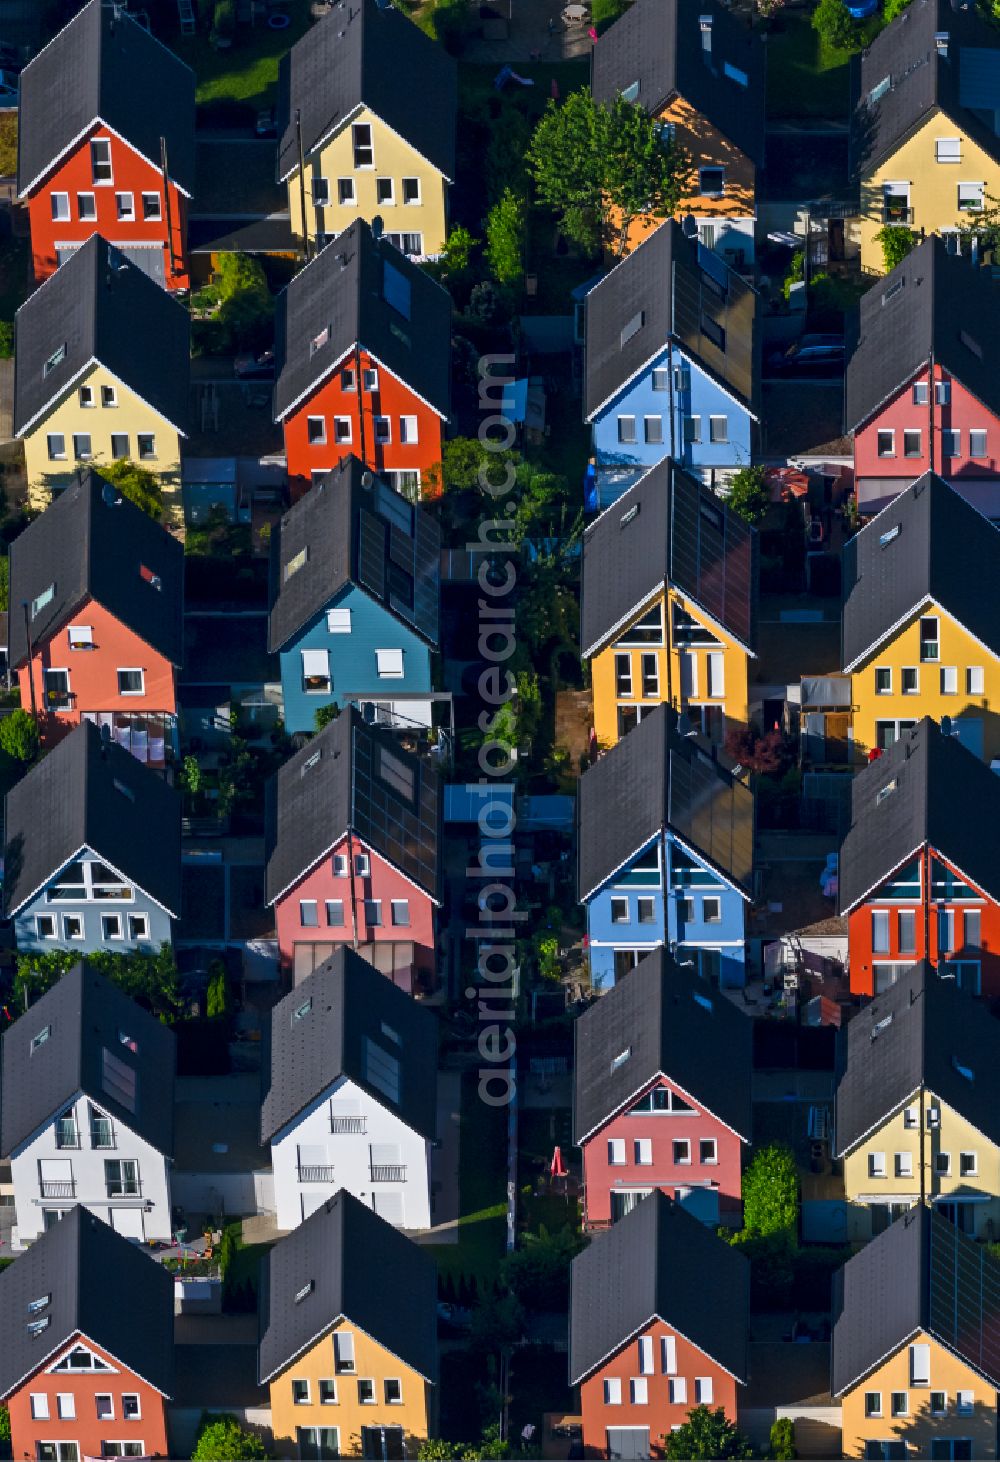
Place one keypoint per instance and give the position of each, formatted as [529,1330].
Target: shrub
[6,339]
[771,1192]
[323,715]
[794,274]
[897,241]
[893,8]
[781,1444]
[217,1001]
[222,1439]
[505,237]
[4,1423]
[138,484]
[835,24]
[4,583]
[749,495]
[706,1434]
[605,13]
[19,736]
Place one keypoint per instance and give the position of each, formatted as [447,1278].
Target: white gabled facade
[345,1138]
[84,1155]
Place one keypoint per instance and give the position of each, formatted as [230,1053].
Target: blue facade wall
[352,659]
[90,911]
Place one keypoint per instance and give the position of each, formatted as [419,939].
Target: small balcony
[67,1133]
[58,700]
[316,1172]
[102,1135]
[392,1172]
[349,1126]
[125,1188]
[896,212]
[61,1188]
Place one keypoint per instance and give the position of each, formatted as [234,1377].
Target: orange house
[100,636]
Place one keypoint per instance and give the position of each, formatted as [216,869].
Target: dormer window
[56,358]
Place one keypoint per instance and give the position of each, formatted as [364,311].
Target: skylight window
[296,562]
[40,600]
[965,1071]
[886,791]
[887,537]
[311,761]
[382,1070]
[318,341]
[882,1025]
[879,91]
[41,1037]
[118,1080]
[892,291]
[35,1327]
[627,518]
[35,1305]
[56,358]
[301,1011]
[304,1292]
[396,289]
[970,344]
[633,327]
[631,92]
[621,1058]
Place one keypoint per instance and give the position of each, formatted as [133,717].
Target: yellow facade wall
[733,703]
[919,1428]
[394,158]
[415,1413]
[933,185]
[130,417]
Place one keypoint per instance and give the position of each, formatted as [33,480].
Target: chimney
[941,44]
[705,24]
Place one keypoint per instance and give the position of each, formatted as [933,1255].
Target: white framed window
[942,1164]
[711,182]
[911,1117]
[308,914]
[346,193]
[910,680]
[948,149]
[125,207]
[39,1406]
[886,442]
[389,664]
[56,444]
[942,393]
[338,621]
[616,1152]
[119,444]
[82,446]
[639,1391]
[342,429]
[703,1392]
[146,446]
[132,682]
[362,865]
[334,913]
[678,1391]
[408,436]
[903,1164]
[383,429]
[392,1389]
[385,192]
[971,197]
[716,674]
[138,927]
[300,1391]
[343,1352]
[66,1405]
[341,868]
[920,396]
[612,1391]
[965,1403]
[883,680]
[978,443]
[873,1403]
[708,1151]
[644,1151]
[411,192]
[60,207]
[369,379]
[105,1404]
[949,680]
[87,398]
[72,926]
[81,637]
[316,431]
[111,926]
[920,1365]
[619,911]
[321,192]
[968,1164]
[100,160]
[668,1354]
[975,680]
[645,1355]
[45,926]
[152,207]
[876,1165]
[364,151]
[86,207]
[328,1392]
[681,1148]
[711,909]
[316,672]
[399,912]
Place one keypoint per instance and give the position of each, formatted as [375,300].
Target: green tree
[4,1422]
[323,715]
[749,495]
[222,1439]
[458,249]
[492,1446]
[897,241]
[706,1434]
[892,8]
[138,484]
[149,978]
[37,972]
[771,1192]
[984,223]
[835,24]
[239,272]
[781,1445]
[4,583]
[497,1323]
[217,997]
[6,339]
[538,1271]
[646,170]
[190,777]
[505,237]
[19,734]
[435,1449]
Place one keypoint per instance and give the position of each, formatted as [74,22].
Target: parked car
[812,355]
[254,367]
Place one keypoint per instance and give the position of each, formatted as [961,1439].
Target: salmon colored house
[363,340]
[86,1367]
[103,586]
[919,877]
[106,145]
[654,1107]
[352,835]
[658,1324]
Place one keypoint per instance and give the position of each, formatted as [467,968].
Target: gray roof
[924,80]
[92,543]
[86,1014]
[98,306]
[361,55]
[934,781]
[351,1004]
[940,548]
[932,301]
[356,530]
[654,778]
[658,43]
[89,792]
[923,1031]
[920,1273]
[671,1023]
[658,1262]
[668,528]
[100,67]
[363,291]
[345,1261]
[668,285]
[131,1316]
[336,784]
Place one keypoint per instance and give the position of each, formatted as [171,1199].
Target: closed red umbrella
[557,1168]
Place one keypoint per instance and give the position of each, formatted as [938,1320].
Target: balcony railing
[315,1172]
[102,1134]
[125,1188]
[349,1126]
[60,1189]
[67,1134]
[896,213]
[59,700]
[392,1172]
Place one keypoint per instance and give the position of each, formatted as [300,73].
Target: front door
[384,1443]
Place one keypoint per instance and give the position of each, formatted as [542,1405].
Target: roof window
[965,1071]
[892,291]
[40,600]
[971,344]
[621,1058]
[296,562]
[318,341]
[56,358]
[301,1011]
[888,536]
[626,518]
[633,327]
[153,579]
[885,791]
[41,1037]
[305,1291]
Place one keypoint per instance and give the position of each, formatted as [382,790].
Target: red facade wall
[660,1412]
[85,1428]
[131,174]
[392,399]
[962,413]
[601,1177]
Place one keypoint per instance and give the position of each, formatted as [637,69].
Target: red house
[86,1365]
[362,315]
[933,307]
[658,1324]
[106,145]
[352,835]
[656,1104]
[103,586]
[919,876]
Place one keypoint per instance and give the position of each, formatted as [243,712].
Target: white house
[87,1110]
[352,1099]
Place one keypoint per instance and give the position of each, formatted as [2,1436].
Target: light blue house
[665,856]
[355,598]
[672,365]
[92,852]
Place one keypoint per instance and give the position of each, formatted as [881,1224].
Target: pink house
[352,853]
[662,1094]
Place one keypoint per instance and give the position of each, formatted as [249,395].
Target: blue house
[355,598]
[672,365]
[665,855]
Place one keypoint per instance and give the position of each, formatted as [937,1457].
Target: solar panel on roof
[404,830]
[711,556]
[713,814]
[371,553]
[426,557]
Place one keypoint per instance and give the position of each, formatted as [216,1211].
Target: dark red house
[106,145]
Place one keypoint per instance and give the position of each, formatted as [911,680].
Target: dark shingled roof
[349,1001]
[923,81]
[347,1262]
[101,1286]
[670,1022]
[920,1273]
[944,550]
[935,780]
[358,530]
[923,1031]
[361,55]
[367,292]
[932,301]
[86,1014]
[72,799]
[92,543]
[668,528]
[100,307]
[658,1262]
[669,284]
[658,43]
[335,785]
[102,68]
[654,777]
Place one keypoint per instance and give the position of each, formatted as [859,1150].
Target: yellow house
[348,1336]
[923,154]
[366,128]
[669,606]
[916,1363]
[919,637]
[101,371]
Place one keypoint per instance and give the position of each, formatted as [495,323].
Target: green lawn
[805,76]
[248,71]
[482,1177]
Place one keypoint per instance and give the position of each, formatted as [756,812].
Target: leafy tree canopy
[138,484]
[222,1439]
[706,1434]
[749,495]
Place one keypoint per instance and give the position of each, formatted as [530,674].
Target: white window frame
[109,924]
[132,670]
[643,1151]
[81,453]
[151,213]
[86,200]
[389,664]
[382,428]
[347,193]
[66,934]
[877,1166]
[101,142]
[617,1152]
[948,149]
[703,1391]
[975,680]
[320,192]
[338,621]
[410,202]
[612,1391]
[146,454]
[359,146]
[390,200]
[60,454]
[129,200]
[409,431]
[60,208]
[314,657]
[138,926]
[885,431]
[316,441]
[339,423]
[87,399]
[39,1406]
